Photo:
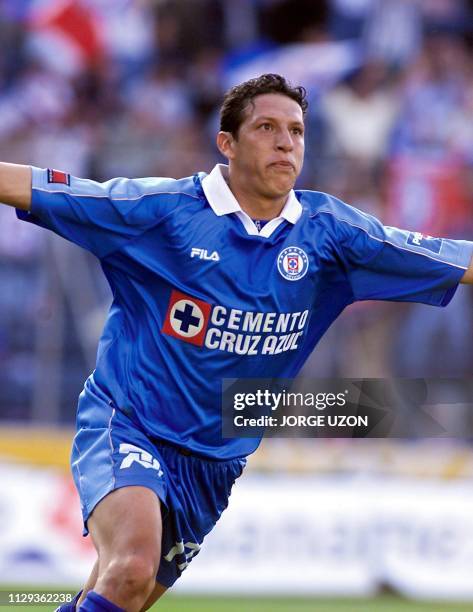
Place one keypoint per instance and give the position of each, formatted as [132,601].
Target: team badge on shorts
[293,263]
[187,318]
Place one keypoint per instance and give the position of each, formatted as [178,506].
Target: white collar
[223,202]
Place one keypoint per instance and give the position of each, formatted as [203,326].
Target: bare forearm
[468,276]
[15,185]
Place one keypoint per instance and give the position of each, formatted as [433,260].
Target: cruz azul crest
[293,263]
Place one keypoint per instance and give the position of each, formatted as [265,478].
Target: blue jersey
[199,294]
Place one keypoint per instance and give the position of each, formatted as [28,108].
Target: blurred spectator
[38,96]
[128,32]
[348,17]
[288,21]
[160,101]
[428,186]
[393,31]
[436,99]
[205,82]
[452,16]
[186,28]
[360,114]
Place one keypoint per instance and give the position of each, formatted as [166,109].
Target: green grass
[176,603]
[172,603]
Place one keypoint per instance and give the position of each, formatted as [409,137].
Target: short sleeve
[100,217]
[387,263]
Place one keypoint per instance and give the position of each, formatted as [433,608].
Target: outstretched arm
[468,276]
[15,185]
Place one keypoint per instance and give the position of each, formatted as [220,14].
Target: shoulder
[325,209]
[318,203]
[137,188]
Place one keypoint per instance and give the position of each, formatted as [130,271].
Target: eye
[267,127]
[297,130]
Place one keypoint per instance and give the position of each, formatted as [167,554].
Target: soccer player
[230,274]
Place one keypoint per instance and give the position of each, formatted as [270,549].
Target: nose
[284,141]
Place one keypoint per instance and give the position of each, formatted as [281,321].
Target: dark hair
[237,98]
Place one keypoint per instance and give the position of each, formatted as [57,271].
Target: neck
[256,206]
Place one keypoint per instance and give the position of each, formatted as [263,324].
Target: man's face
[268,153]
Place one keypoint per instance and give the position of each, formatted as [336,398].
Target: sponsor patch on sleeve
[425,242]
[57,176]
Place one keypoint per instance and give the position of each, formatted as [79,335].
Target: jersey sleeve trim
[144,195]
[39,183]
[464,255]
[126,208]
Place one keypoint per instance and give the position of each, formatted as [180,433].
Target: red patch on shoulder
[56,176]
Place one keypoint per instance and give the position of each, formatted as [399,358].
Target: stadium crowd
[104,88]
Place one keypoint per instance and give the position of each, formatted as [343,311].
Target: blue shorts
[110,451]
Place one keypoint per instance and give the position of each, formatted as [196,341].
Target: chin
[282,188]
[285,180]
[278,186]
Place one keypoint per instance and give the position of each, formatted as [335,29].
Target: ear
[225,144]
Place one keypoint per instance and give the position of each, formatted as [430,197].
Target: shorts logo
[187,318]
[179,549]
[425,242]
[134,454]
[293,263]
[56,176]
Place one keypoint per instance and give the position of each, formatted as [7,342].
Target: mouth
[283,165]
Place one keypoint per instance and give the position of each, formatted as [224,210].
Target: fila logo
[179,548]
[138,455]
[425,242]
[203,254]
